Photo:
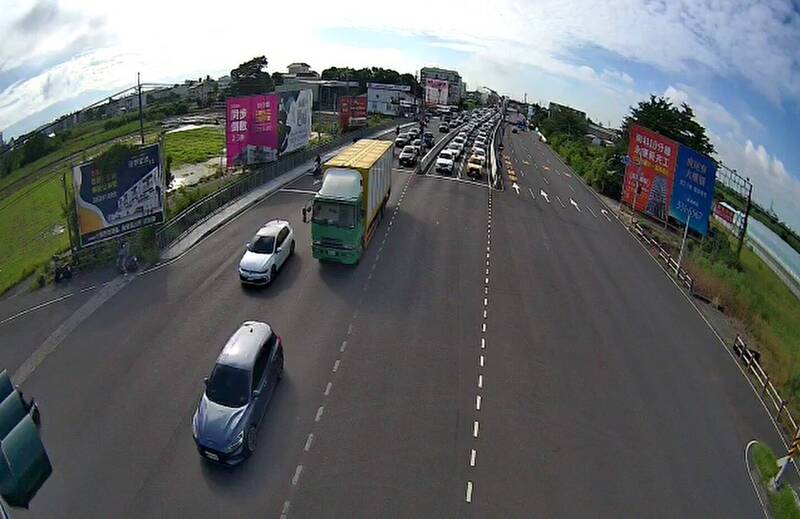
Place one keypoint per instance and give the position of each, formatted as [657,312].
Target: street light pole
[141,114]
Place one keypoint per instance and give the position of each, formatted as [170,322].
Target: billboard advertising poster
[358,111]
[119,194]
[435,92]
[693,190]
[294,130]
[650,172]
[251,134]
[344,112]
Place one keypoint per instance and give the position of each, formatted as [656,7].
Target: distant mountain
[53,112]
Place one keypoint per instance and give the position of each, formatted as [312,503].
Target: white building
[388,99]
[455,86]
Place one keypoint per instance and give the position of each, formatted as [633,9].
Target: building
[555,107]
[455,87]
[606,134]
[300,71]
[326,92]
[388,99]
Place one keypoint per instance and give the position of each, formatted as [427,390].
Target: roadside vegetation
[194,146]
[782,503]
[745,286]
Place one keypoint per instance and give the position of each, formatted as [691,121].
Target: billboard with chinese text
[252,129]
[693,190]
[294,130]
[649,174]
[435,92]
[118,194]
[352,111]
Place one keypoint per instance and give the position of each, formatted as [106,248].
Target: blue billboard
[693,189]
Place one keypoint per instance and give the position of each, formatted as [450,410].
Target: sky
[737,63]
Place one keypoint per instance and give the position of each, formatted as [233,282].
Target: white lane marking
[478,402]
[469,491]
[485,290]
[485,301]
[545,180]
[472,455]
[336,365]
[86,289]
[531,192]
[487,272]
[309,441]
[285,511]
[573,202]
[545,195]
[560,202]
[605,213]
[328,389]
[343,347]
[572,188]
[296,476]
[481,361]
[483,328]
[475,427]
[590,210]
[483,343]
[319,413]
[487,281]
[480,381]
[484,314]
[350,329]
[750,473]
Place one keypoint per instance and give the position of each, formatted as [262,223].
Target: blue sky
[736,62]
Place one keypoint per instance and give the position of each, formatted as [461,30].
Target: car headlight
[236,443]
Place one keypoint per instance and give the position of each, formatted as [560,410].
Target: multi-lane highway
[494,354]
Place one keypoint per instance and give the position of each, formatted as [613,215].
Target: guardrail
[683,276]
[207,206]
[750,360]
[430,158]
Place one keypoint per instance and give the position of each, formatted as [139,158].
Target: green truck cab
[346,211]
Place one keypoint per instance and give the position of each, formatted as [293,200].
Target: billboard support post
[68,209]
[683,245]
[141,113]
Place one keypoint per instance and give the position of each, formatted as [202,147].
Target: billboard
[119,194]
[693,190]
[252,129]
[435,92]
[294,120]
[649,174]
[352,111]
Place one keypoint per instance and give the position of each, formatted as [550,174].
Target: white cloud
[709,112]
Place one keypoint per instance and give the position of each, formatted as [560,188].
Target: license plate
[212,456]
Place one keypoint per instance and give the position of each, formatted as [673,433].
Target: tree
[251,77]
[277,78]
[677,123]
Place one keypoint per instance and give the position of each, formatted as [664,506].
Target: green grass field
[194,146]
[27,223]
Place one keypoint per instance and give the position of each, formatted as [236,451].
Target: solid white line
[469,491]
[478,403]
[328,388]
[480,381]
[296,476]
[343,347]
[336,365]
[319,413]
[472,458]
[309,441]
[475,427]
[749,473]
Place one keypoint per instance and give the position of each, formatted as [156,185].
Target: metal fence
[203,209]
[666,258]
[769,394]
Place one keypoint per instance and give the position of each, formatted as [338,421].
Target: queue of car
[469,145]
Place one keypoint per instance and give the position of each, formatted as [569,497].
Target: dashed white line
[572,188]
[484,314]
[336,365]
[469,491]
[319,413]
[350,329]
[475,428]
[485,301]
[481,361]
[343,346]
[328,389]
[480,381]
[483,327]
[560,202]
[478,402]
[590,210]
[285,510]
[309,441]
[545,180]
[472,455]
[296,476]
[483,343]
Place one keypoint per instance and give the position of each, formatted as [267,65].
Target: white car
[457,149]
[477,150]
[444,162]
[266,253]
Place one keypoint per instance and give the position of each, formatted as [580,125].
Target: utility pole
[746,218]
[141,113]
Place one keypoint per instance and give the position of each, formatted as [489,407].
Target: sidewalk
[238,206]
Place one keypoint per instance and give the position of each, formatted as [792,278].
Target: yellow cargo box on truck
[356,185]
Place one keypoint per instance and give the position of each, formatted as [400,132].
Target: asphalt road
[602,393]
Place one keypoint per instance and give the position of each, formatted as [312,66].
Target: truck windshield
[332,213]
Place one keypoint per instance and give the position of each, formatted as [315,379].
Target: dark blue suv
[241,385]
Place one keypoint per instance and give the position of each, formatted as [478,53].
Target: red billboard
[352,111]
[650,172]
